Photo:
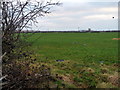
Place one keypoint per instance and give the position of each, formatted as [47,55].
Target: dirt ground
[115,38]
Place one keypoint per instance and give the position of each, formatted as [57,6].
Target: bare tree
[18,15]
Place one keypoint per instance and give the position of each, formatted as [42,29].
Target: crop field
[74,56]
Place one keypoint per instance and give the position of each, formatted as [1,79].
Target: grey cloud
[70,16]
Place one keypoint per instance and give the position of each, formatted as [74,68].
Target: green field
[79,51]
[76,46]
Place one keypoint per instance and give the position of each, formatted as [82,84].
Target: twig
[3,55]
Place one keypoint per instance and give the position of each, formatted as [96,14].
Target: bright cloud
[109,9]
[99,17]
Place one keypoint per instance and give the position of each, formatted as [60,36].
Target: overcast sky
[78,15]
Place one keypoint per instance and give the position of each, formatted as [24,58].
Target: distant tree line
[83,31]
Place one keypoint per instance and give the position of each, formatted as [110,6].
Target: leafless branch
[18,15]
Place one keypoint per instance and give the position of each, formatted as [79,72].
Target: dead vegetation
[115,38]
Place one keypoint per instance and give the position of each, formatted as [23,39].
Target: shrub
[26,74]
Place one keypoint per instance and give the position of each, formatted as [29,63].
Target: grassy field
[83,53]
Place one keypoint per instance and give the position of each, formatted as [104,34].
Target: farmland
[81,55]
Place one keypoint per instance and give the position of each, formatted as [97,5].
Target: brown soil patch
[114,79]
[115,38]
[67,78]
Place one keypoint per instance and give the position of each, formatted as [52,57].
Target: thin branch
[3,55]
